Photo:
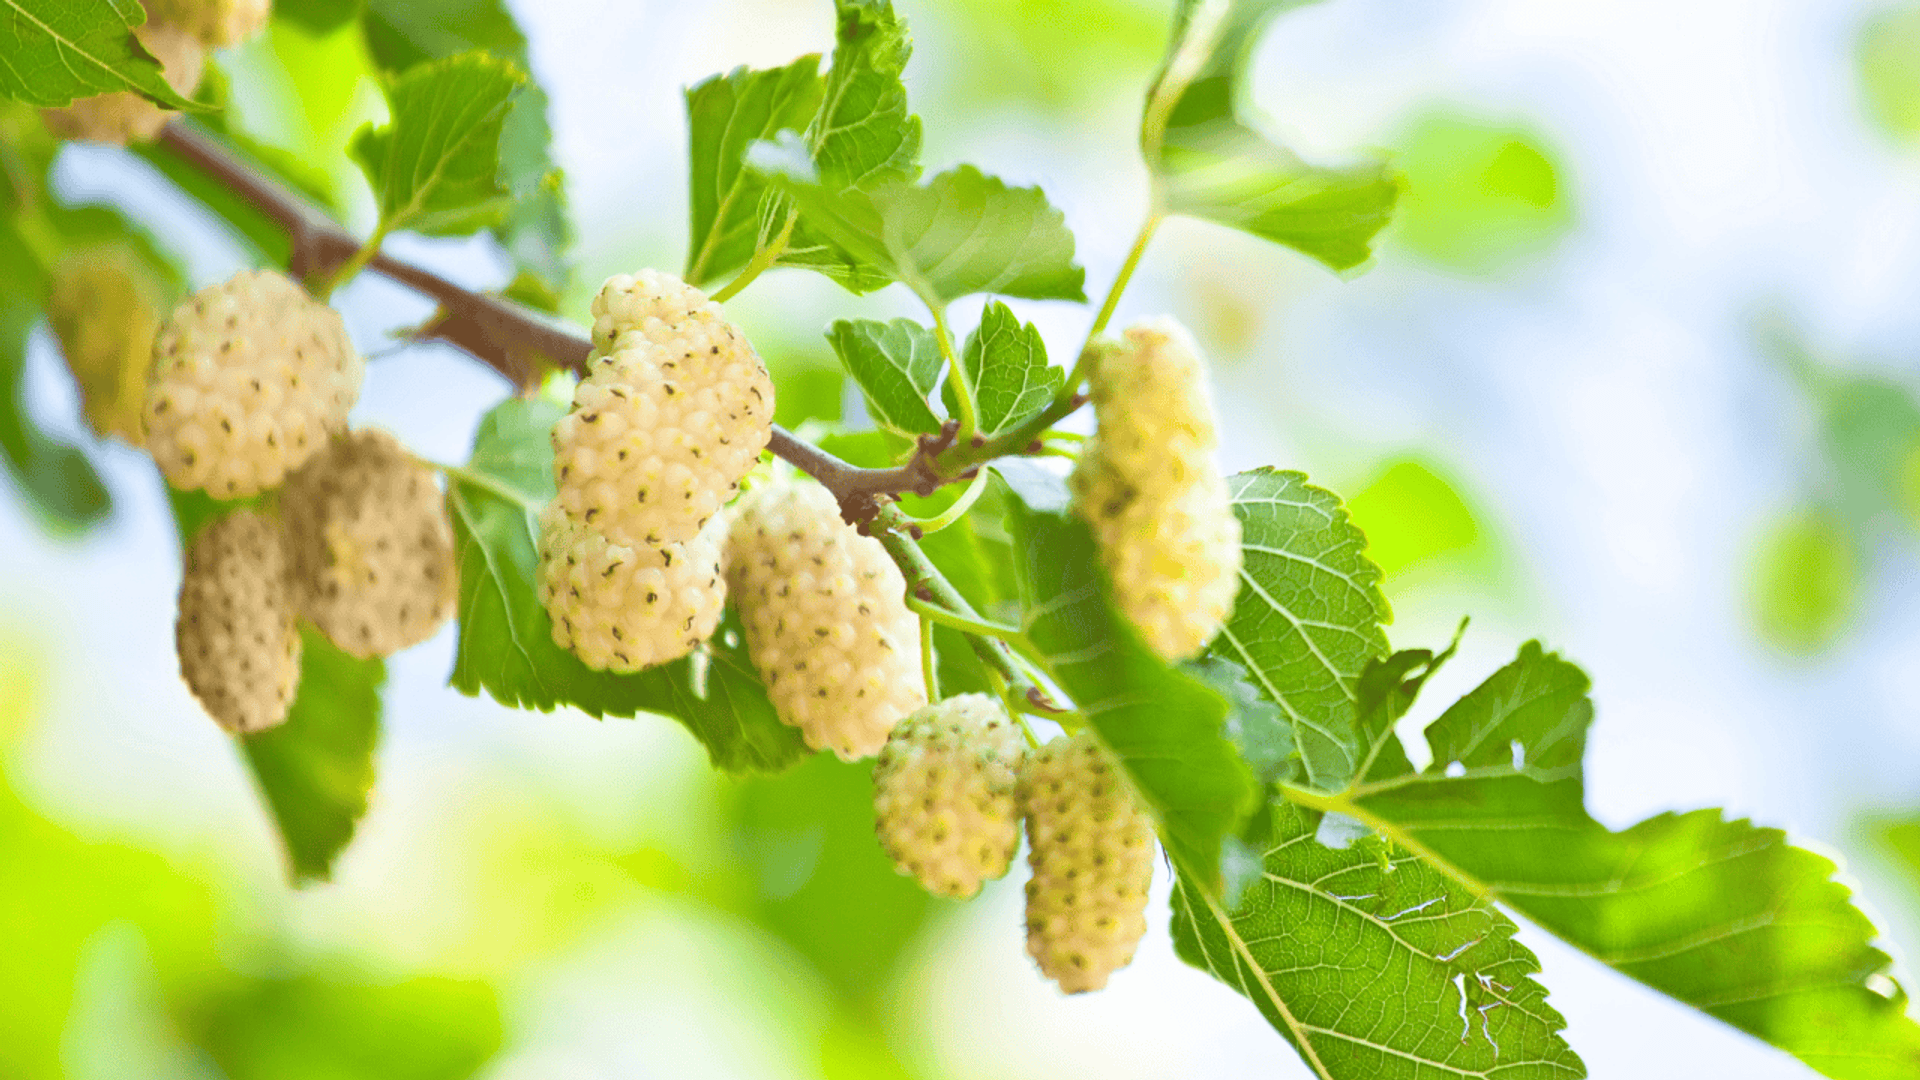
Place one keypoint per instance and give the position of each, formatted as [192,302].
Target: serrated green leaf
[1722,915]
[896,365]
[505,645]
[1006,364]
[55,477]
[1255,725]
[726,114]
[1374,966]
[316,770]
[54,51]
[436,168]
[1209,162]
[1308,616]
[1165,727]
[961,233]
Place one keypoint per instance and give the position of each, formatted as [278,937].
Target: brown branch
[514,340]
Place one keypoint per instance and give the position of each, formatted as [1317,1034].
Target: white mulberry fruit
[943,794]
[104,307]
[370,545]
[251,378]
[238,644]
[1147,484]
[675,409]
[217,23]
[122,116]
[826,619]
[1091,849]
[623,608]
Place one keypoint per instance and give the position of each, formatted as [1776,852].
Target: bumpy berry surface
[1091,849]
[676,408]
[826,622]
[625,608]
[124,117]
[1148,485]
[104,308]
[251,377]
[217,23]
[370,545]
[943,794]
[239,649]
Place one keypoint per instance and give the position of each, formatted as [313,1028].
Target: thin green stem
[763,260]
[1083,367]
[483,482]
[352,267]
[929,526]
[967,625]
[1016,708]
[927,670]
[962,382]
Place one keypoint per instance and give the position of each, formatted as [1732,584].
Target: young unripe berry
[122,116]
[104,308]
[370,545]
[251,378]
[626,608]
[1147,484]
[217,23]
[675,409]
[239,649]
[826,619]
[1091,849]
[943,794]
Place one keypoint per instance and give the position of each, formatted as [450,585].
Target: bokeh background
[1635,372]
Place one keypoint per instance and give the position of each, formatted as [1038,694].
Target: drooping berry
[238,645]
[104,308]
[826,620]
[623,608]
[1147,484]
[943,794]
[674,411]
[217,23]
[370,545]
[1090,846]
[251,377]
[122,116]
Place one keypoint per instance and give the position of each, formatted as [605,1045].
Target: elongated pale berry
[623,608]
[239,649]
[943,794]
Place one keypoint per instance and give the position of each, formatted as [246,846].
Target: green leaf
[1308,617]
[1722,915]
[1412,514]
[1209,162]
[56,478]
[316,769]
[54,51]
[726,114]
[436,168]
[1479,196]
[1375,966]
[506,639]
[1256,726]
[1806,582]
[318,16]
[1165,727]
[1006,364]
[404,33]
[1888,55]
[961,233]
[896,365]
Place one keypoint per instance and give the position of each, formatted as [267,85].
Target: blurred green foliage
[1412,514]
[1481,196]
[1888,55]
[1806,582]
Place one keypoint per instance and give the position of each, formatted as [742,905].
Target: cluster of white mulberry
[640,553]
[178,34]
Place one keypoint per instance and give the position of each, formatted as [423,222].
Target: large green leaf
[726,114]
[506,639]
[1374,965]
[1209,162]
[896,365]
[1308,617]
[316,769]
[1723,915]
[53,51]
[1006,364]
[436,168]
[1165,726]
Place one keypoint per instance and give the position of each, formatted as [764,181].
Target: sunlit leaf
[1889,64]
[1806,582]
[1006,364]
[1411,514]
[726,114]
[896,365]
[436,168]
[56,50]
[1480,196]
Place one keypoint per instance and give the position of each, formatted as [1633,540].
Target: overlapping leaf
[1209,162]
[1005,362]
[1374,965]
[1723,915]
[506,643]
[896,365]
[1165,726]
[1308,616]
[56,50]
[436,168]
[726,114]
[316,770]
